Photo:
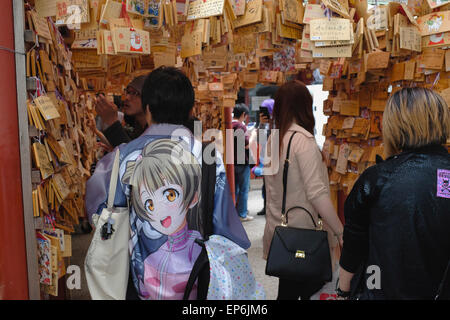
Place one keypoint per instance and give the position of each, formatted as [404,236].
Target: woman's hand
[340,237]
[326,210]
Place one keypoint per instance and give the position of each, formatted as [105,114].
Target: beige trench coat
[307,181]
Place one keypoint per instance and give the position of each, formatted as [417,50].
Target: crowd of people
[396,216]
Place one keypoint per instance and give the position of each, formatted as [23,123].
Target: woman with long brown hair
[307,183]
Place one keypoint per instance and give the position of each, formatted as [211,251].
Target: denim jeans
[242,186]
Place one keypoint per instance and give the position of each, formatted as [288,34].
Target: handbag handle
[309,213]
[113,180]
[284,214]
[285,172]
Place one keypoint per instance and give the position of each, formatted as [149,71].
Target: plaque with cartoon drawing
[437,3]
[436,22]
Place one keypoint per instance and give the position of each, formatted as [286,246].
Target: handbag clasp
[300,254]
[319,225]
[283,220]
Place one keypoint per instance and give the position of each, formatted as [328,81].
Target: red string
[124,14]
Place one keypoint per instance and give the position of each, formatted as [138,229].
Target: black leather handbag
[301,255]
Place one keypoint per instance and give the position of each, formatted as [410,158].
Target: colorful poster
[44,259]
[266,63]
[284,60]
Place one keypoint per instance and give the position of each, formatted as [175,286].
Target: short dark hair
[240,109]
[169,95]
[241,96]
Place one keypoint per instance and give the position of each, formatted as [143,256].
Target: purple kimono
[167,270]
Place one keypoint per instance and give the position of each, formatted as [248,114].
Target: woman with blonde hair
[397,215]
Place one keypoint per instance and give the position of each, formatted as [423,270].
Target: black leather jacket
[397,217]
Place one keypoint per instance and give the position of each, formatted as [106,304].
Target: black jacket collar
[431,148]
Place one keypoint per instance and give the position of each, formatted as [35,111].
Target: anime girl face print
[135,42]
[164,207]
[165,184]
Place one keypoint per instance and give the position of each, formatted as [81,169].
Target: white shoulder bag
[107,259]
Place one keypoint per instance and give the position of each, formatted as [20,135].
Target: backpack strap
[200,271]
[200,217]
[208,190]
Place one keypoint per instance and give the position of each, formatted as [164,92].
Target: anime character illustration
[153,8]
[165,182]
[136,6]
[44,254]
[437,38]
[435,22]
[436,3]
[89,43]
[135,42]
[291,10]
[376,119]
